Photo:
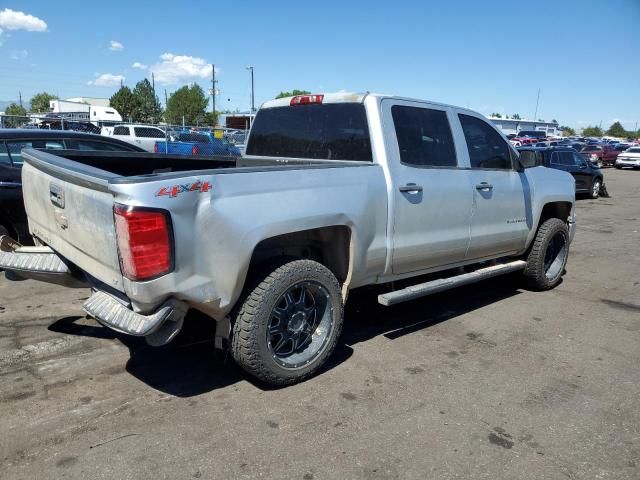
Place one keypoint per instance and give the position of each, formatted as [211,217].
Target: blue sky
[491,56]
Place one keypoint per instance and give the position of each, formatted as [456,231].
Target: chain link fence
[157,138]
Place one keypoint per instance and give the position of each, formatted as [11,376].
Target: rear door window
[148,132]
[337,131]
[487,149]
[15,148]
[121,130]
[424,137]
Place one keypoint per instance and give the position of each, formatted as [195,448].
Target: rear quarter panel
[217,231]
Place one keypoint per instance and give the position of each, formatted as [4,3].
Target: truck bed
[69,198]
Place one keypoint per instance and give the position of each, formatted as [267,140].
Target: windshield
[336,131]
[633,150]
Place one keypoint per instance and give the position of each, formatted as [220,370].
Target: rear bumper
[37,263]
[113,314]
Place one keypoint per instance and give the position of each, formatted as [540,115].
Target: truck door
[499,220]
[431,197]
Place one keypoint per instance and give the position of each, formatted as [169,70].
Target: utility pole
[153,83]
[166,99]
[121,85]
[535,115]
[20,96]
[213,89]
[250,68]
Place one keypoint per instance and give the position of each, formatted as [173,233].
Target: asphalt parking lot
[487,381]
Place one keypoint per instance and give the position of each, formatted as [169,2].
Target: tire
[281,335]
[3,230]
[544,269]
[618,167]
[594,192]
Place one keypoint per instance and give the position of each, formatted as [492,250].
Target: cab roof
[352,97]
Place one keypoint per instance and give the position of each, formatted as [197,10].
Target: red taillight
[144,242]
[306,99]
[155,147]
[194,150]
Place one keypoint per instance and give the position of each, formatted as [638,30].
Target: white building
[510,125]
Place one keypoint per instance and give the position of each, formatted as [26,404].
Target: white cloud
[174,69]
[106,80]
[14,20]
[115,46]
[19,54]
[139,65]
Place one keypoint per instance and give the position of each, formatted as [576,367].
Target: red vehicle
[600,154]
[528,137]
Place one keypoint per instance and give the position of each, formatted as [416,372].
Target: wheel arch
[329,245]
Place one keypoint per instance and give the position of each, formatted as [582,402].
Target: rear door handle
[410,187]
[484,186]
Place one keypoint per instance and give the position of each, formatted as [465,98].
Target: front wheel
[595,188]
[548,255]
[288,325]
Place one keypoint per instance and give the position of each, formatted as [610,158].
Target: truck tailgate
[75,218]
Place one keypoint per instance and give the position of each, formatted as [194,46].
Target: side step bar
[441,284]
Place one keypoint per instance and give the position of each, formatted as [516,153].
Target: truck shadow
[188,366]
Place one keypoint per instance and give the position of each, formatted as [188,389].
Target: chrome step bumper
[37,263]
[113,314]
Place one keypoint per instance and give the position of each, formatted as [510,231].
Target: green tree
[496,115]
[211,118]
[592,131]
[567,131]
[40,102]
[617,130]
[125,103]
[19,115]
[292,93]
[147,108]
[516,116]
[188,104]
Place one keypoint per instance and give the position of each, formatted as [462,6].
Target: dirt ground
[487,381]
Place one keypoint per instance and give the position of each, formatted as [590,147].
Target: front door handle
[410,188]
[484,186]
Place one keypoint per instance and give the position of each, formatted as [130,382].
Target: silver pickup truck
[335,192]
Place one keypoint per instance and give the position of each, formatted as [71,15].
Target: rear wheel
[288,324]
[595,188]
[548,255]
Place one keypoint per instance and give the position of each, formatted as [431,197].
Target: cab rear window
[318,131]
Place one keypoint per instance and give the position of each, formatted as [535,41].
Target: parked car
[198,143]
[13,219]
[143,136]
[537,134]
[629,158]
[269,245]
[602,155]
[588,176]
